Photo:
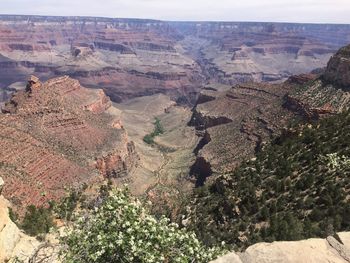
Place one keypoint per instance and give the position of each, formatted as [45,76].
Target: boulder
[314,250]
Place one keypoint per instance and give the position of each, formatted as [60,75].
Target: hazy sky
[314,11]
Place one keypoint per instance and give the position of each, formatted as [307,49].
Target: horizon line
[173,21]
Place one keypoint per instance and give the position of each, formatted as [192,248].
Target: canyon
[222,91]
[128,58]
[200,64]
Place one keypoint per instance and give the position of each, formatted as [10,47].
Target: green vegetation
[13,215]
[65,208]
[158,129]
[298,187]
[37,220]
[121,230]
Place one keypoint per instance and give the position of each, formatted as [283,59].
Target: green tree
[37,220]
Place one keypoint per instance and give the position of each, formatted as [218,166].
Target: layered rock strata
[58,135]
[131,57]
[235,124]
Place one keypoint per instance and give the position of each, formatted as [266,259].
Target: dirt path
[158,173]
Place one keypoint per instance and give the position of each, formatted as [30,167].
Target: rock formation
[238,121]
[305,251]
[130,57]
[58,135]
[327,94]
[235,123]
[338,69]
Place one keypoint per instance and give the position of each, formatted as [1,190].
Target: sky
[304,11]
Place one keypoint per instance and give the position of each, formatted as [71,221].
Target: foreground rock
[16,246]
[56,135]
[313,250]
[13,243]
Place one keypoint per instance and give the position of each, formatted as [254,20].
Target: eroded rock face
[53,136]
[130,58]
[338,69]
[115,165]
[238,122]
[125,57]
[305,251]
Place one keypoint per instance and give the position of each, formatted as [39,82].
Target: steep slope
[56,135]
[234,124]
[296,188]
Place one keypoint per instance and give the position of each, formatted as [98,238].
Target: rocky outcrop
[326,95]
[310,250]
[338,68]
[54,135]
[13,242]
[118,164]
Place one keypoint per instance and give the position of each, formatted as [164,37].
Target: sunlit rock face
[310,250]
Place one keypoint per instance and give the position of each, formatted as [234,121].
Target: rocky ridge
[327,94]
[234,124]
[58,134]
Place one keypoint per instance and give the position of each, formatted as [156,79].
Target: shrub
[120,230]
[37,220]
[158,129]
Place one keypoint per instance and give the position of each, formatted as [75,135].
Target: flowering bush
[120,230]
[334,161]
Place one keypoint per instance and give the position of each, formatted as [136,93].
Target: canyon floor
[166,164]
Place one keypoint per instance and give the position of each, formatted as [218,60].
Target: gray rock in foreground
[313,250]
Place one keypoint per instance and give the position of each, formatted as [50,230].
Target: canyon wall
[130,57]
[235,124]
[58,135]
[125,57]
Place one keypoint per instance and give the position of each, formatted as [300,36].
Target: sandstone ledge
[314,250]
